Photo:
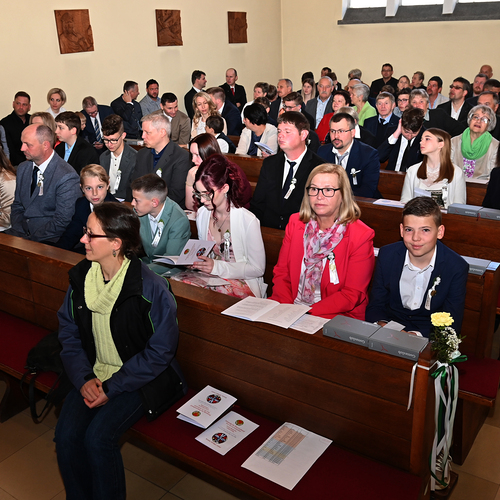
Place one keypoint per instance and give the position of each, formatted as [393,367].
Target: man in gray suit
[165,228]
[163,157]
[180,124]
[119,159]
[322,105]
[46,189]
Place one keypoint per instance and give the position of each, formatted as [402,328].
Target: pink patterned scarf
[317,246]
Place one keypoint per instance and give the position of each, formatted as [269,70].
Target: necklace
[219,227]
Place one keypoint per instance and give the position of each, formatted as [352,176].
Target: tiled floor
[28,467]
[25,446]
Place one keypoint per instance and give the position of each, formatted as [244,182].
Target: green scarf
[100,299]
[478,149]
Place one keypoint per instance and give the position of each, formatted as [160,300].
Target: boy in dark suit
[74,149]
[418,276]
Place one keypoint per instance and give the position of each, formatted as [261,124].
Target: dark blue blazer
[385,298]
[232,116]
[363,158]
[82,154]
[88,131]
[131,114]
[390,152]
[70,239]
[372,125]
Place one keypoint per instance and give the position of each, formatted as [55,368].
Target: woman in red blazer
[326,260]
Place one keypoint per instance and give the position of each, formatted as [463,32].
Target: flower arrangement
[445,340]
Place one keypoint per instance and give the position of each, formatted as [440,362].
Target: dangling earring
[114,252]
[225,195]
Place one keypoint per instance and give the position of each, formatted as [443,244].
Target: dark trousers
[87,445]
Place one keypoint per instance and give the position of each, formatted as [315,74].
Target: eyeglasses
[110,141]
[403,100]
[205,195]
[90,236]
[326,192]
[340,132]
[456,87]
[478,118]
[290,108]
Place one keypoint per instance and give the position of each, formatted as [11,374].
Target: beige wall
[433,48]
[126,49]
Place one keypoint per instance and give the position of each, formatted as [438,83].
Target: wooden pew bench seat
[17,337]
[337,470]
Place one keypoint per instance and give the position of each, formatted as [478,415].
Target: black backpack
[45,357]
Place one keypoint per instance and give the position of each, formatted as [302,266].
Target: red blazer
[354,259]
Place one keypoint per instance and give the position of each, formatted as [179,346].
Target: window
[401,11]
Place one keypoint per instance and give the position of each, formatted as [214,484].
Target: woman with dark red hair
[200,148]
[238,255]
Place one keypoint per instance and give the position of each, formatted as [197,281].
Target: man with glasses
[434,88]
[165,227]
[119,159]
[360,161]
[456,107]
[283,176]
[402,149]
[95,114]
[163,157]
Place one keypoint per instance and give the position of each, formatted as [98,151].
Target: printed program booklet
[227,432]
[206,407]
[266,311]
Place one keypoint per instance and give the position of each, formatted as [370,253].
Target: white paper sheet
[309,324]
[287,455]
[226,433]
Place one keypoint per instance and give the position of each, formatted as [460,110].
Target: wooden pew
[390,183]
[348,393]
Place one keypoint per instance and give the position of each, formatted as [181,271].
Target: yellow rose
[441,319]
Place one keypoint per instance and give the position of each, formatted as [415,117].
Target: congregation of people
[119,182]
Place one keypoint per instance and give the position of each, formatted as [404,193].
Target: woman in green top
[475,151]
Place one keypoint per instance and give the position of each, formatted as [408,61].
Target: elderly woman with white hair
[475,151]
[359,97]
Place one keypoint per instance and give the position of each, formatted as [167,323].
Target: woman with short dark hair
[119,334]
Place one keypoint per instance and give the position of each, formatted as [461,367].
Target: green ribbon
[441,371]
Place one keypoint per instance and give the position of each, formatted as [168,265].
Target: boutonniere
[354,177]
[432,292]
[291,188]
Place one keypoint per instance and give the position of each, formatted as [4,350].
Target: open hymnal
[266,311]
[189,255]
[206,407]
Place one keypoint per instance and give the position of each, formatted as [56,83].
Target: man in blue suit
[386,122]
[418,276]
[227,110]
[95,114]
[46,189]
[360,161]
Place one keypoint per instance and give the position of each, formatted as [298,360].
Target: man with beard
[360,161]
